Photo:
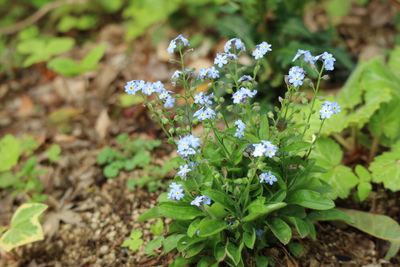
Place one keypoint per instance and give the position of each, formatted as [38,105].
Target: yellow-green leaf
[25,226]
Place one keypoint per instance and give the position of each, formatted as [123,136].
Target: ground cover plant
[242,185]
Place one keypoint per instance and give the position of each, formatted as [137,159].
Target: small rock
[104,249]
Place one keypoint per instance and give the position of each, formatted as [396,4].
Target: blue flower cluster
[187,145]
[201,199]
[268,177]
[296,75]
[329,108]
[176,192]
[212,73]
[147,88]
[205,112]
[264,148]
[242,94]
[239,45]
[261,50]
[240,129]
[307,57]
[180,40]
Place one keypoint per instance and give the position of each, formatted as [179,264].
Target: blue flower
[206,200]
[328,60]
[186,145]
[299,53]
[148,89]
[259,233]
[221,60]
[176,192]
[239,45]
[203,99]
[134,86]
[163,94]
[197,201]
[240,129]
[203,73]
[169,102]
[329,108]
[261,50]
[310,58]
[268,177]
[180,40]
[213,73]
[204,113]
[296,79]
[242,94]
[245,78]
[265,148]
[183,171]
[259,150]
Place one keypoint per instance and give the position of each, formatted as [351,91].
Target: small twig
[38,15]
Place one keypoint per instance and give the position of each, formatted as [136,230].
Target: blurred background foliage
[62,24]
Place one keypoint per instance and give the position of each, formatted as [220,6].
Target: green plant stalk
[313,100]
[374,148]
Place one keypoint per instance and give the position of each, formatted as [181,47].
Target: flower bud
[159,112]
[164,120]
[229,108]
[270,115]
[325,77]
[256,108]
[221,100]
[220,116]
[171,130]
[304,101]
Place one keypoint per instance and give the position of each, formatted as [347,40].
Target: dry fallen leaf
[26,107]
[102,123]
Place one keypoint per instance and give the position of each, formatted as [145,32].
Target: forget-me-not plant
[245,180]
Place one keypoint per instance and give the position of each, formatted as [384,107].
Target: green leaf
[327,152]
[295,248]
[151,213]
[310,199]
[54,152]
[364,187]
[126,100]
[154,244]
[207,261]
[262,261]
[180,210]
[351,93]
[7,179]
[65,66]
[280,229]
[256,209]
[67,23]
[171,242]
[264,128]
[59,45]
[329,215]
[158,228]
[216,210]
[363,190]
[394,59]
[393,250]
[300,225]
[377,225]
[249,238]
[221,198]
[385,121]
[25,227]
[386,168]
[219,252]
[212,227]
[90,61]
[234,253]
[111,171]
[30,46]
[193,227]
[297,147]
[9,152]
